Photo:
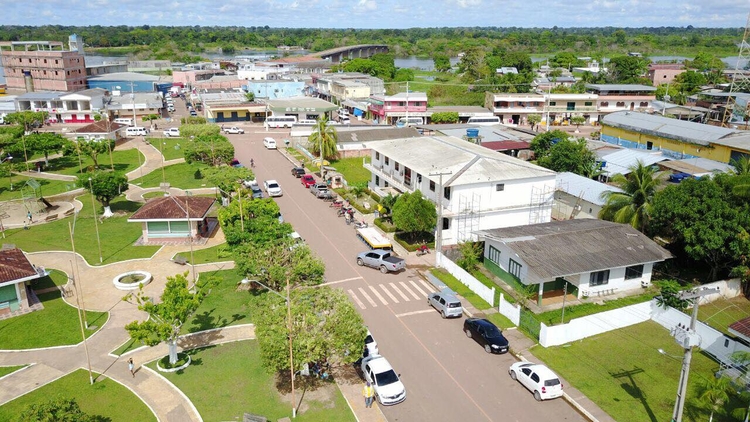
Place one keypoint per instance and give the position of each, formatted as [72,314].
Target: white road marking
[340,281]
[418,288]
[424,311]
[414,295]
[388,292]
[369,299]
[429,287]
[399,292]
[356,299]
[377,293]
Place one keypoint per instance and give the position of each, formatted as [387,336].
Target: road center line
[423,311]
[340,281]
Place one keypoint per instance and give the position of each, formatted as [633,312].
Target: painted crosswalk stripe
[377,293]
[356,299]
[414,295]
[388,292]
[424,311]
[393,286]
[416,286]
[369,299]
[429,287]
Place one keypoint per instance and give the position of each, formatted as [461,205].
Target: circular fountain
[132,280]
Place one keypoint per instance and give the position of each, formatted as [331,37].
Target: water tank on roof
[472,133]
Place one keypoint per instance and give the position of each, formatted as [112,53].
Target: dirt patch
[307,389]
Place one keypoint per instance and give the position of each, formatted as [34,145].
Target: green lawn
[178,175]
[241,384]
[723,312]
[577,311]
[56,278]
[224,306]
[216,253]
[56,325]
[352,169]
[623,372]
[5,370]
[461,289]
[106,398]
[48,187]
[116,234]
[170,148]
[124,161]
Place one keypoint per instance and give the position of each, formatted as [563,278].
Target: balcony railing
[389,175]
[576,109]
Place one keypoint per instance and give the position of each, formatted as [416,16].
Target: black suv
[298,172]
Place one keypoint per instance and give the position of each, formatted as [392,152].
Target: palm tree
[633,204]
[325,136]
[715,392]
[742,171]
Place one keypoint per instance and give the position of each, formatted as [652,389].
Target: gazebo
[175,218]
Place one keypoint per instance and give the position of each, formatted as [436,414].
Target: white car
[269,143]
[388,387]
[272,188]
[234,130]
[371,346]
[173,131]
[539,379]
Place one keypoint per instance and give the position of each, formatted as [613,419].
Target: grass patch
[385,225]
[216,253]
[116,234]
[55,325]
[105,397]
[123,160]
[577,311]
[246,386]
[412,244]
[352,169]
[155,194]
[501,321]
[182,358]
[171,148]
[224,306]
[721,313]
[482,278]
[178,175]
[461,289]
[5,370]
[623,372]
[126,347]
[54,279]
[48,187]
[296,154]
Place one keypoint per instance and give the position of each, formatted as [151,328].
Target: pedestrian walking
[131,367]
[369,394]
[29,217]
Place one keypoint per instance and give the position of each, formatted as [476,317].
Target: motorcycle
[348,218]
[423,250]
[346,211]
[336,204]
[361,224]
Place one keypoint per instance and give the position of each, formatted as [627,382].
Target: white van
[484,120]
[280,121]
[269,143]
[411,121]
[136,131]
[124,121]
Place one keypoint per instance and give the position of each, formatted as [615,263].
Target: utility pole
[439,225]
[687,338]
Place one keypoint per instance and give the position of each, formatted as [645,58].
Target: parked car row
[376,369]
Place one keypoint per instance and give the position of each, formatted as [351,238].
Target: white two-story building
[481,189]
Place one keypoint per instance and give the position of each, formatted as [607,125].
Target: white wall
[509,310]
[506,254]
[486,293]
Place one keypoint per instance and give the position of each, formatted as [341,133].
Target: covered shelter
[302,107]
[175,219]
[16,272]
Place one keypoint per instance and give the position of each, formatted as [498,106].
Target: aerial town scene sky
[380,13]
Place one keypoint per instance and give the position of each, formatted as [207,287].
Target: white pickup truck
[234,130]
[382,260]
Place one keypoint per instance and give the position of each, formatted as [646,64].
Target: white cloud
[367,5]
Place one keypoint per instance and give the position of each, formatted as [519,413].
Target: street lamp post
[96,224]
[10,169]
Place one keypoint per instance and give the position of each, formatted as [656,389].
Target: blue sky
[378,13]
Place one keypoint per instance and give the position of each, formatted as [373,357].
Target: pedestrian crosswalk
[391,293]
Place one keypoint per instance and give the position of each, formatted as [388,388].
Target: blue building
[275,89]
[140,82]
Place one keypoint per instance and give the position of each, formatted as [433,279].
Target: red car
[307,180]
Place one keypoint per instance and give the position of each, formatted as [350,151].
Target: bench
[51,217]
[179,259]
[69,212]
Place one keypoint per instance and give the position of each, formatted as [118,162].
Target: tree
[571,155]
[565,60]
[705,62]
[403,75]
[472,65]
[227,178]
[690,82]
[178,303]
[27,119]
[150,117]
[275,262]
[89,147]
[325,327]
[626,69]
[196,130]
[213,150]
[534,119]
[387,203]
[442,62]
[57,410]
[633,205]
[324,135]
[470,254]
[250,97]
[260,218]
[46,143]
[578,121]
[444,117]
[669,295]
[414,214]
[542,143]
[105,186]
[714,392]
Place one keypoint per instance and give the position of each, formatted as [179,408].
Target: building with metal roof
[579,197]
[677,139]
[620,162]
[478,189]
[130,81]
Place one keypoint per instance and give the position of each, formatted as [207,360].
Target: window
[571,105]
[419,179]
[493,255]
[447,193]
[605,103]
[377,155]
[377,180]
[499,187]
[599,278]
[514,268]
[644,104]
[395,165]
[446,223]
[386,160]
[588,103]
[636,271]
[552,103]
[620,104]
[432,186]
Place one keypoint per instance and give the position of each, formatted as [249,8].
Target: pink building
[44,65]
[664,73]
[388,109]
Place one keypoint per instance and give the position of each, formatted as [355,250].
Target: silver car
[446,303]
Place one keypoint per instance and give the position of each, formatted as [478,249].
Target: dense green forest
[155,42]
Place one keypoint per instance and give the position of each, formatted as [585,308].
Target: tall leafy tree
[472,65]
[632,206]
[324,135]
[571,155]
[92,148]
[105,186]
[542,143]
[714,392]
[227,178]
[46,143]
[260,219]
[442,62]
[57,410]
[627,69]
[414,214]
[534,120]
[27,119]
[278,261]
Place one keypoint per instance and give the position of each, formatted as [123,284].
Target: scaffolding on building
[468,217]
[540,208]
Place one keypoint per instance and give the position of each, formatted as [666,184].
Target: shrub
[445,117]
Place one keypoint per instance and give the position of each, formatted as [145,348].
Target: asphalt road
[448,377]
